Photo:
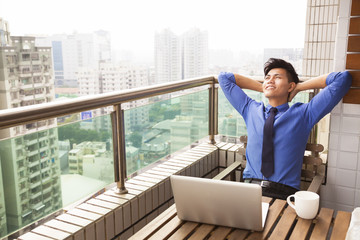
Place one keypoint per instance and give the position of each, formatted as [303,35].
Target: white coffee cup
[306,204]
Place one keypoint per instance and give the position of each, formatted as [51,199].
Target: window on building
[11,59]
[11,71]
[25,69]
[25,57]
[35,56]
[36,68]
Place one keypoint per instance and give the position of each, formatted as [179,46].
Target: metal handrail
[22,115]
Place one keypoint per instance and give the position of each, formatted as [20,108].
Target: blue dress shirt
[292,126]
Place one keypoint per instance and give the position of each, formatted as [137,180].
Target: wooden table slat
[266,199]
[202,232]
[238,234]
[301,229]
[284,225]
[157,223]
[341,225]
[220,233]
[184,230]
[322,224]
[273,214]
[168,229]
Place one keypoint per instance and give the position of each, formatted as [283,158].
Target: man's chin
[268,95]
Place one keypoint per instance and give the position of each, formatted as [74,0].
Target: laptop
[219,202]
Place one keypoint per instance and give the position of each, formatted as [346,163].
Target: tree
[136,139]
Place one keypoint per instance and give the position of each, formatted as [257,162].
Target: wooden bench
[312,172]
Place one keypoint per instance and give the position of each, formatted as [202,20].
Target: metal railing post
[216,111]
[121,154]
[212,113]
[115,147]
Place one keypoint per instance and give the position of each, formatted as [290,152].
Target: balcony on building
[113,183]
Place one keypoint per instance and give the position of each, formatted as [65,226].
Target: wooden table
[281,223]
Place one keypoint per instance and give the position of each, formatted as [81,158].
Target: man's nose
[270,79]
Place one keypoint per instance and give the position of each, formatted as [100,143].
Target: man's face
[276,84]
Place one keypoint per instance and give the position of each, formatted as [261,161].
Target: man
[275,161]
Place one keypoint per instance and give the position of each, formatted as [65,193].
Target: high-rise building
[71,52]
[195,53]
[26,77]
[180,57]
[4,41]
[168,61]
[31,170]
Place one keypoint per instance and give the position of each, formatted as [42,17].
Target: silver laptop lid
[219,202]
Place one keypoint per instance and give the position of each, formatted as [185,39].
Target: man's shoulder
[298,107]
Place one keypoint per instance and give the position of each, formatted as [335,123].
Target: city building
[88,161]
[5,40]
[180,56]
[84,153]
[74,51]
[167,57]
[32,166]
[195,53]
[110,77]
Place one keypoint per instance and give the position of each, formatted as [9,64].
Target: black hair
[279,63]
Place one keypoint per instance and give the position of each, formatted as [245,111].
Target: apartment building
[4,41]
[74,51]
[84,152]
[112,77]
[195,53]
[29,156]
[168,62]
[180,56]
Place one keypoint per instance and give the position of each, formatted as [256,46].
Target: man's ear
[292,86]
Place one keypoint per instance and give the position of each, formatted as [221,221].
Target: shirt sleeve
[338,84]
[235,95]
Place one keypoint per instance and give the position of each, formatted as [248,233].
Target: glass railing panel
[47,170]
[158,129]
[230,122]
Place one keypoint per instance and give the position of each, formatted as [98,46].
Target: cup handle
[289,202]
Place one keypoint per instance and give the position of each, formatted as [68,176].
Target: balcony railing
[206,101]
[199,118]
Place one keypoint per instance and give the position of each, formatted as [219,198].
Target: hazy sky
[231,24]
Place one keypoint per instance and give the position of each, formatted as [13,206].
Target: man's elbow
[221,76]
[347,78]
[225,77]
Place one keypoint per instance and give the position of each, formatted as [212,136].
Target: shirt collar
[281,108]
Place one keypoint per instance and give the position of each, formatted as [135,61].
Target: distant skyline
[231,24]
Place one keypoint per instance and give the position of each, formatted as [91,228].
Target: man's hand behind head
[293,93]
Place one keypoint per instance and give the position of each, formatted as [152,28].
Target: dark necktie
[267,166]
